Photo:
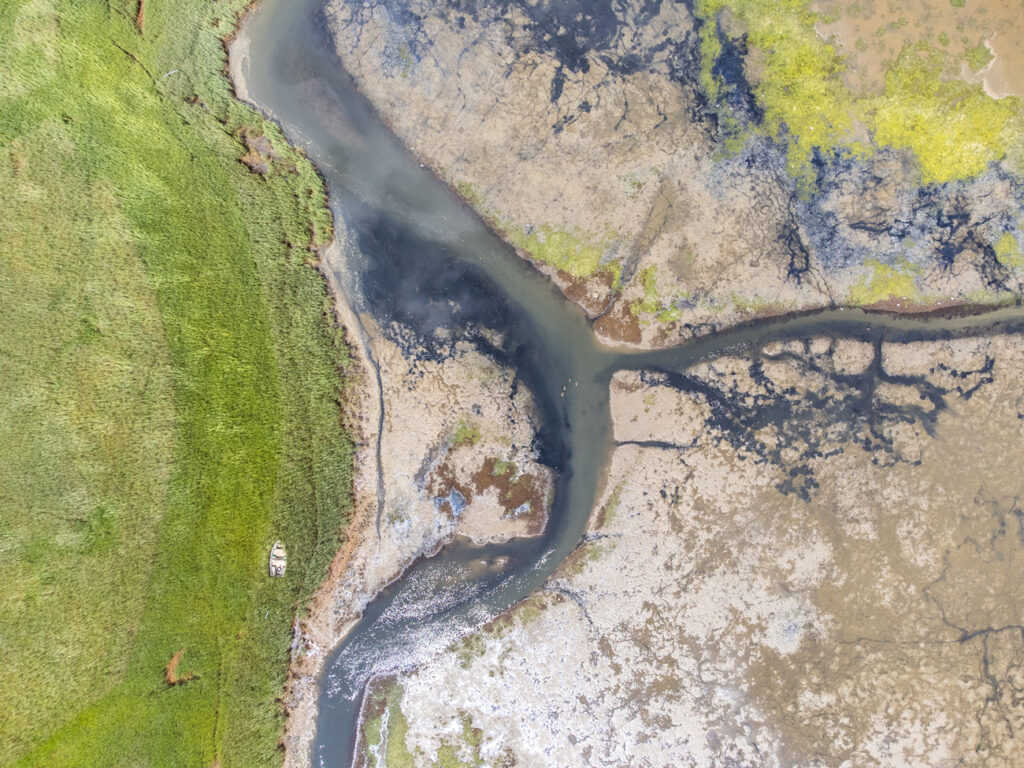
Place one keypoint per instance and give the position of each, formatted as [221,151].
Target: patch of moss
[650,303]
[670,315]
[530,609]
[465,752]
[587,553]
[467,433]
[373,735]
[754,305]
[886,282]
[611,507]
[634,184]
[472,647]
[469,193]
[502,468]
[396,753]
[978,57]
[578,252]
[1009,251]
[405,59]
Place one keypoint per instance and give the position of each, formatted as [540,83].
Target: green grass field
[172,392]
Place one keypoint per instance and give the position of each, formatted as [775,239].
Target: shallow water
[416,256]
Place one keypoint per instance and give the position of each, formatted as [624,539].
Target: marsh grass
[173,388]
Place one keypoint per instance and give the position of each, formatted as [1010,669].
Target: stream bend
[416,259]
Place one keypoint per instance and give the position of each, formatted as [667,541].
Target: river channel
[416,258]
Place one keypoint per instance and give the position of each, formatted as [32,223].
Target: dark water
[416,257]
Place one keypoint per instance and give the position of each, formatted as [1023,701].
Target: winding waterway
[416,257]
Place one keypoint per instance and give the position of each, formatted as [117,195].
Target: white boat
[278,559]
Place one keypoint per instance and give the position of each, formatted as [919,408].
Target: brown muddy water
[418,261]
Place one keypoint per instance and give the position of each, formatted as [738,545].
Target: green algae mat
[173,389]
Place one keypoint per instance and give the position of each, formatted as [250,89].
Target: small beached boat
[278,559]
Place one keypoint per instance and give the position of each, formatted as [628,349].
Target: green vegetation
[1009,251]
[384,736]
[171,375]
[800,88]
[652,302]
[611,507]
[586,554]
[581,254]
[469,193]
[886,282]
[978,57]
[465,753]
[578,252]
[384,733]
[954,129]
[503,467]
[467,433]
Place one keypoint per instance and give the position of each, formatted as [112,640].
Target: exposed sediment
[585,134]
[810,555]
[457,458]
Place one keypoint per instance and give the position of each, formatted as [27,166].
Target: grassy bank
[172,386]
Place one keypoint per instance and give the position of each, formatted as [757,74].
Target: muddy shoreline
[326,626]
[506,497]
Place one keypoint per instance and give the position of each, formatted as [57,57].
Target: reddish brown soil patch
[592,293]
[620,324]
[513,491]
[171,676]
[443,482]
[140,15]
[260,154]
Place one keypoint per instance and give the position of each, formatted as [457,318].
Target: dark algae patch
[173,388]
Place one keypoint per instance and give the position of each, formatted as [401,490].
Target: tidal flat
[836,583]
[678,168]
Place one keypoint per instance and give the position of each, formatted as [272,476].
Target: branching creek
[415,258]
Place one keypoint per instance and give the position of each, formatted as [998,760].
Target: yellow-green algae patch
[652,302]
[467,433]
[954,129]
[1008,251]
[800,87]
[580,252]
[886,282]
